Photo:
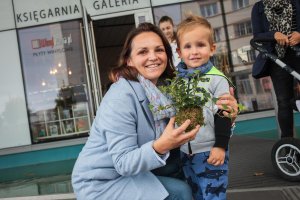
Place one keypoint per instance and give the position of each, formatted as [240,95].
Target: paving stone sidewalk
[252,176]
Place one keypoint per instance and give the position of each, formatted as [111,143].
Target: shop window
[251,55]
[55,81]
[254,94]
[220,60]
[242,29]
[245,54]
[244,85]
[209,10]
[217,34]
[238,4]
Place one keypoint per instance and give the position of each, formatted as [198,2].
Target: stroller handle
[256,43]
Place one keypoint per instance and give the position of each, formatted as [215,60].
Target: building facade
[55,56]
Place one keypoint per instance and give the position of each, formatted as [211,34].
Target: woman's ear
[129,62]
[179,52]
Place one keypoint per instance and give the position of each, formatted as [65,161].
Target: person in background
[167,26]
[205,159]
[127,141]
[279,20]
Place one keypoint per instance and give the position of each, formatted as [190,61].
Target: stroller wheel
[286,158]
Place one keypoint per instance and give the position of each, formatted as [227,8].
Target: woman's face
[168,29]
[148,56]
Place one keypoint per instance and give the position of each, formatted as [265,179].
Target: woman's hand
[228,103]
[281,39]
[294,38]
[174,137]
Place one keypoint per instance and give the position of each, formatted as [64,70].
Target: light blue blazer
[116,160]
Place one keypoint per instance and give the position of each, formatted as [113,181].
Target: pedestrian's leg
[283,86]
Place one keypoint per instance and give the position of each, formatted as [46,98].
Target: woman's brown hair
[130,73]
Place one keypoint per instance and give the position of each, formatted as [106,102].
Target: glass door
[92,63]
[109,34]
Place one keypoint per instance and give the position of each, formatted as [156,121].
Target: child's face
[168,29]
[195,48]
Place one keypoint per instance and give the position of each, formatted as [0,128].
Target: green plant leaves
[187,92]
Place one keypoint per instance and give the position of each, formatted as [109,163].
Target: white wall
[14,129]
[6,15]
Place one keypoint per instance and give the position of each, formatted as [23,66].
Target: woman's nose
[152,56]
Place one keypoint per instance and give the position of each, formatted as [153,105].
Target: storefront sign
[50,46]
[6,15]
[166,2]
[100,7]
[35,12]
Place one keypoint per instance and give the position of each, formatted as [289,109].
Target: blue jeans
[177,189]
[284,90]
[207,181]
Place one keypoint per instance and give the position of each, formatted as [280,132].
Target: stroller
[285,153]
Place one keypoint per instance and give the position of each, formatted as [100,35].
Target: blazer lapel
[147,112]
[140,93]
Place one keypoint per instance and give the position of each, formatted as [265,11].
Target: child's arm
[222,136]
[222,125]
[222,130]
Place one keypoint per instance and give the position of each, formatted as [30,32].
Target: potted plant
[188,98]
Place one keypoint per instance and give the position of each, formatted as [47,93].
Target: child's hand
[231,109]
[216,156]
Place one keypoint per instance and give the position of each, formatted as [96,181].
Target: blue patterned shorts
[208,182]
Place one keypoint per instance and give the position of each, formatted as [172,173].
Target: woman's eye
[143,52]
[160,50]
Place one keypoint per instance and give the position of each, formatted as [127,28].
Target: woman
[126,140]
[167,26]
[279,20]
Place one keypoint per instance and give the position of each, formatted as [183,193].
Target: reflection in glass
[234,56]
[55,80]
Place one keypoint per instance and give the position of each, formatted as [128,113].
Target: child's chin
[195,65]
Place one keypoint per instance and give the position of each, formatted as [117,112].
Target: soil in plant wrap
[195,114]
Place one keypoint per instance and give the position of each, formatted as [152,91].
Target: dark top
[260,27]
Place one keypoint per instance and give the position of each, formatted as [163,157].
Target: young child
[166,25]
[205,159]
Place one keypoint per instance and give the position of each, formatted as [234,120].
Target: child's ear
[213,48]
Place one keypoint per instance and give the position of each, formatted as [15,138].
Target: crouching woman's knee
[177,189]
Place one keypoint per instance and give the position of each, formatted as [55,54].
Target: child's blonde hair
[190,23]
